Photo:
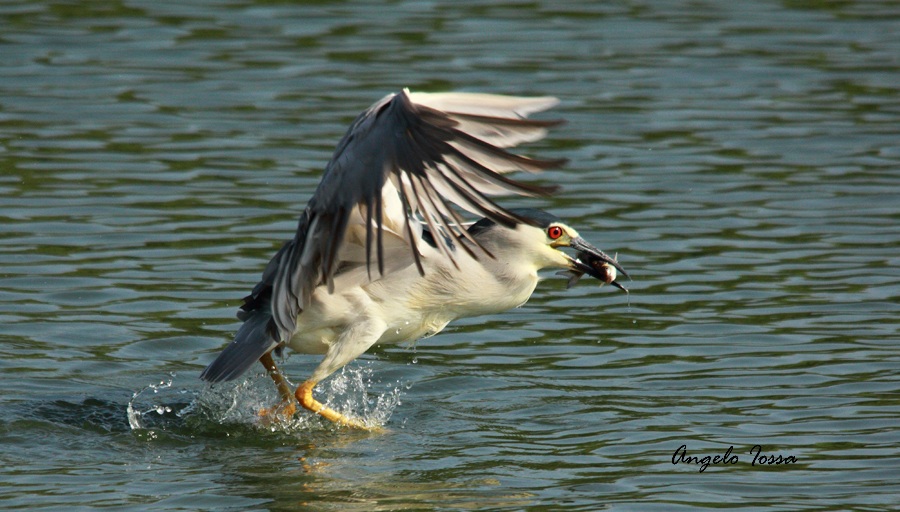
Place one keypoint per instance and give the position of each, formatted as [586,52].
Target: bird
[383,253]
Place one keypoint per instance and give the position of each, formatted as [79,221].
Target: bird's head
[540,239]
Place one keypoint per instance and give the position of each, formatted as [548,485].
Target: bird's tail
[252,341]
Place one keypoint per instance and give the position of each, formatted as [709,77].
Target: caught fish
[587,263]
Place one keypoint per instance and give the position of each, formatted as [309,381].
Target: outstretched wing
[408,157]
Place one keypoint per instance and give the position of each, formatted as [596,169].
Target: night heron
[382,254]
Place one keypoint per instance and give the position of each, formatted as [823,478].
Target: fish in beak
[595,263]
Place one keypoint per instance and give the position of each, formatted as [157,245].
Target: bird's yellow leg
[287,407]
[305,397]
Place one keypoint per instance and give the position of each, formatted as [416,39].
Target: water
[741,158]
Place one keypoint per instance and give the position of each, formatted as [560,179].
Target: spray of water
[162,406]
[136,411]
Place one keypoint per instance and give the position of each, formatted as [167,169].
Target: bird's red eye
[554,232]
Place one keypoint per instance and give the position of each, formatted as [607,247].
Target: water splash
[348,393]
[233,408]
[136,413]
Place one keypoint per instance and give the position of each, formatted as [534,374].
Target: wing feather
[481,104]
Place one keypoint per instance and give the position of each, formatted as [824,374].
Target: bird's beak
[594,262]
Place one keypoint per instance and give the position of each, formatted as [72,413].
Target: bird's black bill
[619,286]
